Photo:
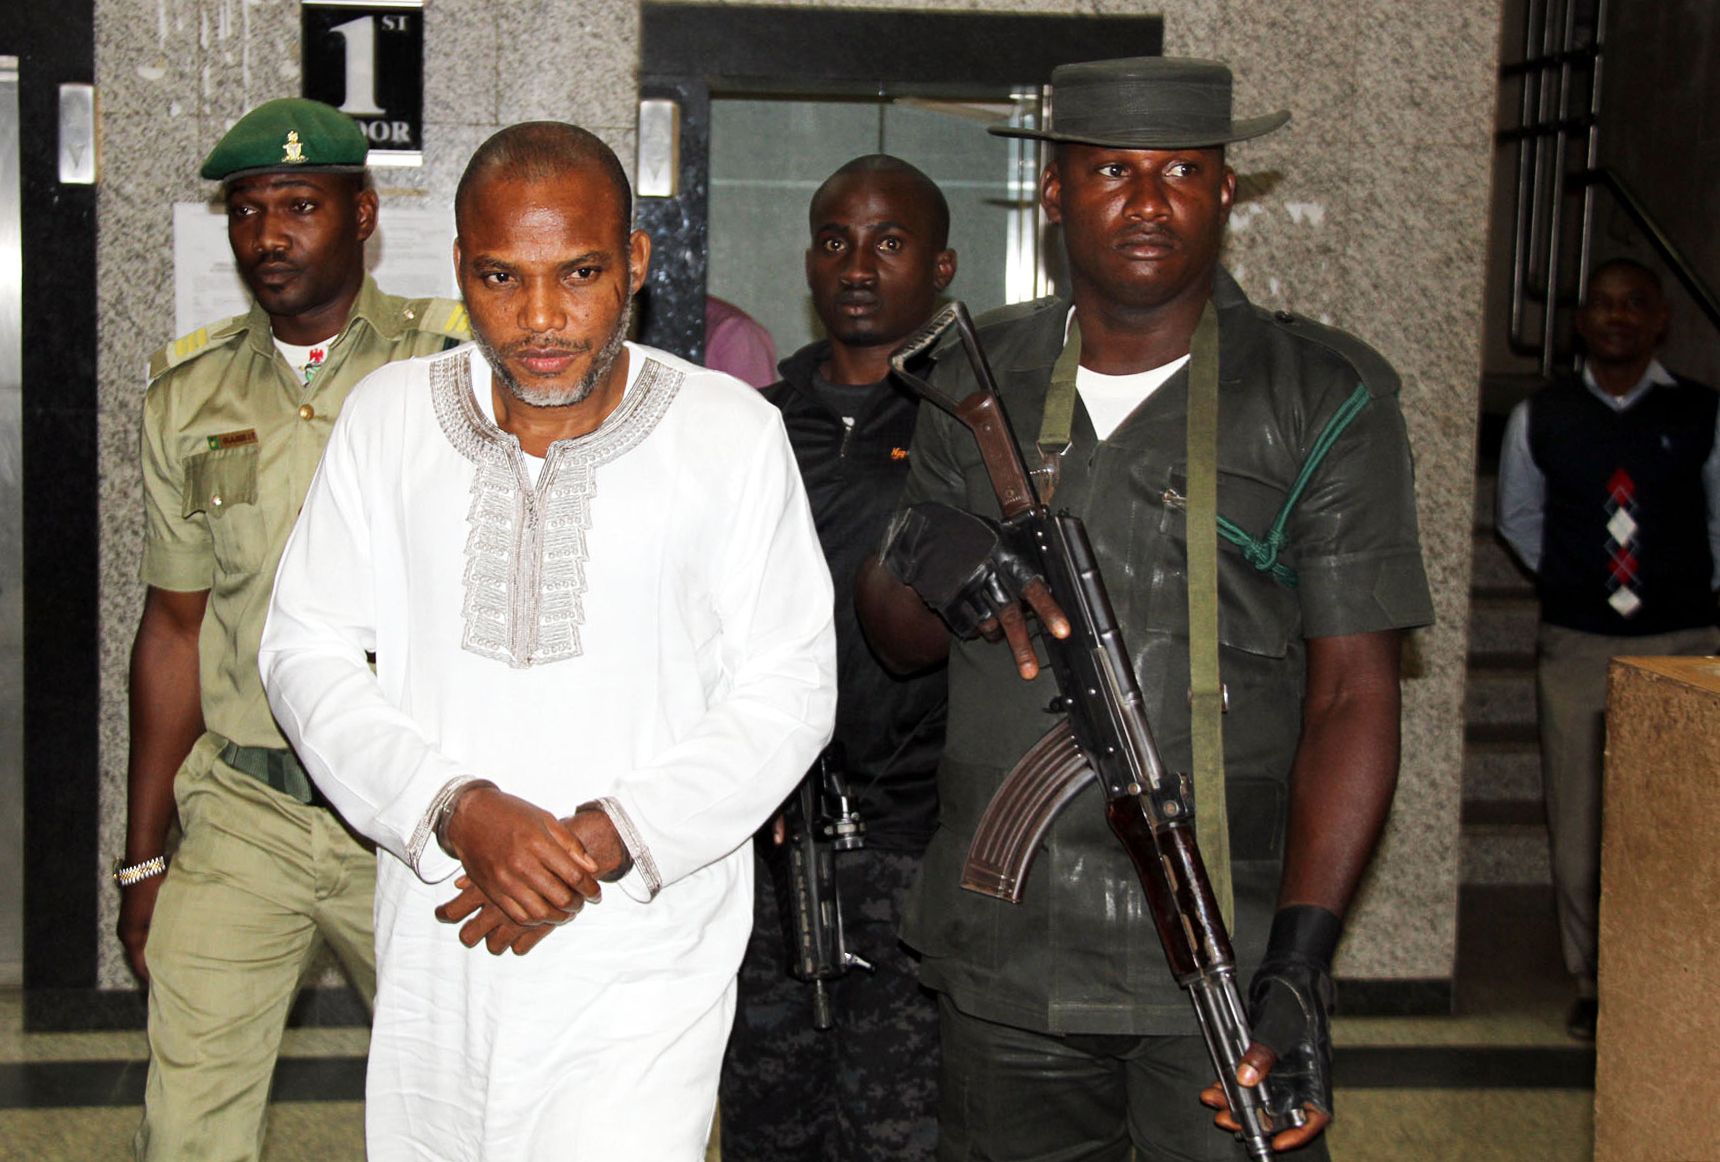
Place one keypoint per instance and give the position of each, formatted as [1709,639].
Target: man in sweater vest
[1609,491]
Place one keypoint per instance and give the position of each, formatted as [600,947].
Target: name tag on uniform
[233,439]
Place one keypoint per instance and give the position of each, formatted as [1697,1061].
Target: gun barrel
[820,821]
[1224,1027]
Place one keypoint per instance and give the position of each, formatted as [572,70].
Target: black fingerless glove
[963,566]
[1290,1007]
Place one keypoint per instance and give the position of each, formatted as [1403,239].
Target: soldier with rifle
[1245,483]
[827,1063]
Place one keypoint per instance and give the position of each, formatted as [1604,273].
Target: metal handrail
[1627,200]
[1551,60]
[1548,125]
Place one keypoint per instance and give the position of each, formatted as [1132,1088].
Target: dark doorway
[54,45]
[884,65]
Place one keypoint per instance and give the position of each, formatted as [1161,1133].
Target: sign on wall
[410,254]
[366,58]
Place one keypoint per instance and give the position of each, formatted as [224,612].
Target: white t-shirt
[306,360]
[1110,398]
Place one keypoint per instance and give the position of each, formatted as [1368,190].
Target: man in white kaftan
[640,621]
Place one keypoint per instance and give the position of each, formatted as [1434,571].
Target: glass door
[11,538]
[769,154]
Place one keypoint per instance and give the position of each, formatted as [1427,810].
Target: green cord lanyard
[1263,553]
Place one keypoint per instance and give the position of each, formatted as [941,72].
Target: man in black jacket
[865,1089]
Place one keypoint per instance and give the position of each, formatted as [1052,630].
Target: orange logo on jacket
[898,453]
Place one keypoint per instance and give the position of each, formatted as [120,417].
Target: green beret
[289,134]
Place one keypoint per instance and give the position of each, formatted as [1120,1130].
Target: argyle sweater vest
[1625,541]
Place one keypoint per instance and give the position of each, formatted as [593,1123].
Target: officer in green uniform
[234,423]
[1064,1036]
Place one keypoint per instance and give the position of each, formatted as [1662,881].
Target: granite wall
[1372,214]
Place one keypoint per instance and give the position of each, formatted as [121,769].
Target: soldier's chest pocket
[222,485]
[1257,613]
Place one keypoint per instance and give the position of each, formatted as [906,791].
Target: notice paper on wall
[411,254]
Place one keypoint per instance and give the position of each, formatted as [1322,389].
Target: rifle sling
[1056,423]
[1206,693]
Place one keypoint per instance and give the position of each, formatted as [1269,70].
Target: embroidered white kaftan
[648,624]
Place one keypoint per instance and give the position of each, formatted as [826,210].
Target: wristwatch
[125,875]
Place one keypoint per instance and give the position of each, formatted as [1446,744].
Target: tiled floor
[1498,1081]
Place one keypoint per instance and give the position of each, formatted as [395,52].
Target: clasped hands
[526,871]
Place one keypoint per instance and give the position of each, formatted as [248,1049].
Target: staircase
[1504,828]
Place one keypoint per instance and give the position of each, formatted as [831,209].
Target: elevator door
[768,157]
[11,539]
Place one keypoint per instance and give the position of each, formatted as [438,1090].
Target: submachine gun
[1102,733]
[819,821]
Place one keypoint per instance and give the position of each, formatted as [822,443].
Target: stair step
[1486,493]
[1500,695]
[1495,570]
[1501,772]
[1505,853]
[1504,812]
[1503,622]
[1502,736]
[1499,663]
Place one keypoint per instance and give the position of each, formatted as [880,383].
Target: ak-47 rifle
[819,820]
[1102,732]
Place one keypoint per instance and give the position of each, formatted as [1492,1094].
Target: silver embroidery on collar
[526,552]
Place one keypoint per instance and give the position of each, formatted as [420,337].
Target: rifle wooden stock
[1174,878]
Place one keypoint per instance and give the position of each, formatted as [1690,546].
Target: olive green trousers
[258,884]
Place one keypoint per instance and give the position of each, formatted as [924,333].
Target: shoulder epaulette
[994,318]
[439,317]
[1009,314]
[1372,369]
[198,342]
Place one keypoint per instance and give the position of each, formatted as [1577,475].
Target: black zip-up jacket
[891,728]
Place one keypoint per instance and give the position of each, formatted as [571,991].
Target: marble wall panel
[1418,85]
[462,64]
[1376,220]
[1192,27]
[570,62]
[152,66]
[135,296]
[251,54]
[1301,57]
[1289,227]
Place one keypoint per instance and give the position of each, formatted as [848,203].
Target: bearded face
[556,394]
